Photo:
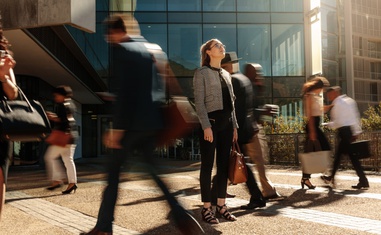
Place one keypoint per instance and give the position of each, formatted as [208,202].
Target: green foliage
[372,118]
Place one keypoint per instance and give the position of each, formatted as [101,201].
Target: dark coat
[134,109]
[243,92]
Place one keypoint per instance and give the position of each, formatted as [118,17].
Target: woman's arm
[7,77]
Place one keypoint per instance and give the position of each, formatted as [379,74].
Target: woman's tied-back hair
[315,83]
[205,58]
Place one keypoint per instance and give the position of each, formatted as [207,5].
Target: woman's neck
[215,64]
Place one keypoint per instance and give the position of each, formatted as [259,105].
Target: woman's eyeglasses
[218,45]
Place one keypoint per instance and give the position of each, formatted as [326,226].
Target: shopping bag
[360,149]
[237,166]
[315,162]
[179,119]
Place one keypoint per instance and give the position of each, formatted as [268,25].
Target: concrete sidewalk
[30,209]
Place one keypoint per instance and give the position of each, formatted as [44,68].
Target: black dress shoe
[361,186]
[253,205]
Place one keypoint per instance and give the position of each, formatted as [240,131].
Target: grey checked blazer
[208,94]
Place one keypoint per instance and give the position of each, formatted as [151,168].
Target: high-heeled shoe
[306,182]
[69,190]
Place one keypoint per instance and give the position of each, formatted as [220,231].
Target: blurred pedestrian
[345,118]
[314,109]
[243,92]
[137,120]
[64,122]
[257,148]
[9,91]
[214,101]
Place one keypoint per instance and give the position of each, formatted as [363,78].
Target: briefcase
[360,149]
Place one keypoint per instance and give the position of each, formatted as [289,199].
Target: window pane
[184,43]
[287,86]
[155,33]
[254,46]
[219,17]
[287,50]
[253,6]
[218,5]
[226,33]
[151,5]
[181,5]
[286,5]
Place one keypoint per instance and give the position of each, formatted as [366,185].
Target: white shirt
[345,113]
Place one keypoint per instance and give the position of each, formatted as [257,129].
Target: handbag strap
[22,96]
[236,147]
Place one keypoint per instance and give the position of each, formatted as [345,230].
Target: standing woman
[214,101]
[314,109]
[63,120]
[8,91]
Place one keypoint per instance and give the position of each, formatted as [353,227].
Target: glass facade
[268,32]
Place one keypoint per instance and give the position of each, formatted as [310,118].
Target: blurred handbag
[59,138]
[179,119]
[23,120]
[237,165]
[360,149]
[316,161]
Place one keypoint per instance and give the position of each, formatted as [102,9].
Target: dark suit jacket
[134,109]
[243,92]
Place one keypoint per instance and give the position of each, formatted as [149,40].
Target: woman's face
[216,50]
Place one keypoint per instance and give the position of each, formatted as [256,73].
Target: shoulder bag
[316,161]
[237,165]
[23,120]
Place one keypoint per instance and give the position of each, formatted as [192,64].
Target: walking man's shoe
[253,205]
[361,186]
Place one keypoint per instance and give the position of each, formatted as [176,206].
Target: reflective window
[254,45]
[192,17]
[287,18]
[253,6]
[219,5]
[184,41]
[219,17]
[121,5]
[181,5]
[287,5]
[287,86]
[151,5]
[287,50]
[226,33]
[155,33]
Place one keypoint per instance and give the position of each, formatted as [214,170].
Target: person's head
[118,26]
[333,92]
[315,85]
[212,50]
[230,62]
[255,73]
[61,93]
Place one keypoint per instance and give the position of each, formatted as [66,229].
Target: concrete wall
[36,13]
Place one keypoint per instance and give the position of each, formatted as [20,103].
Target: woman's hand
[235,135]
[208,134]
[6,63]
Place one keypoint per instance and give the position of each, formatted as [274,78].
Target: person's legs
[6,153]
[207,150]
[254,150]
[54,167]
[67,155]
[2,191]
[110,194]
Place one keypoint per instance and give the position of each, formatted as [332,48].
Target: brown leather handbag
[59,138]
[237,165]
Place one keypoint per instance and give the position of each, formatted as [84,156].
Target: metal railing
[284,149]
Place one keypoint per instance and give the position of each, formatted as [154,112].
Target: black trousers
[6,153]
[144,142]
[344,136]
[222,128]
